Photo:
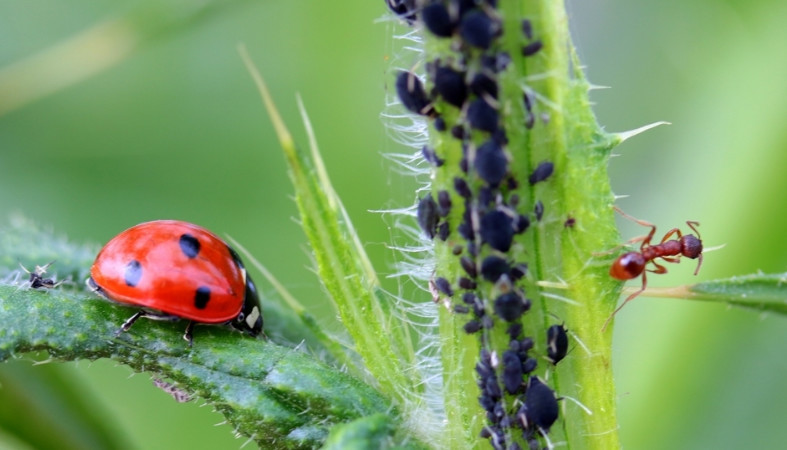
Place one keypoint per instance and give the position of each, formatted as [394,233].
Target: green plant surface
[262,389]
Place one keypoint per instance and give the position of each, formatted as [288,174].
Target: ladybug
[176,270]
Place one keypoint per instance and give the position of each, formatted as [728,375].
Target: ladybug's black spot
[201,297]
[189,245]
[133,273]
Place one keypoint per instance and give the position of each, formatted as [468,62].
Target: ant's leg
[646,239]
[699,263]
[619,246]
[659,268]
[628,299]
[670,233]
[692,224]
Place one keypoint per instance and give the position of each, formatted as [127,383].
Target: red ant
[632,264]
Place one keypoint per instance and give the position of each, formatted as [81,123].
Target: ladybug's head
[250,318]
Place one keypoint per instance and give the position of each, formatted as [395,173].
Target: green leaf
[759,292]
[372,432]
[342,264]
[271,393]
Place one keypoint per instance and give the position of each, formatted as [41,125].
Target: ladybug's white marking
[253,316]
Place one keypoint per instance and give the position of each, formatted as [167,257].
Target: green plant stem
[578,223]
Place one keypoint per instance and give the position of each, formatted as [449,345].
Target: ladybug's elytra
[173,270]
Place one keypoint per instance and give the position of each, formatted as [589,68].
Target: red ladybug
[173,270]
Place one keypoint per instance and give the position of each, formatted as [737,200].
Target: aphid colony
[480,212]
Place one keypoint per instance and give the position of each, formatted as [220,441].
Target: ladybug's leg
[127,324]
[148,315]
[189,334]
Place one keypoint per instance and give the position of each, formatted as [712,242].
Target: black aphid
[557,343]
[482,116]
[497,230]
[437,20]
[405,9]
[529,365]
[496,62]
[439,124]
[472,326]
[518,271]
[493,267]
[521,222]
[443,231]
[444,286]
[514,330]
[461,309]
[540,409]
[450,84]
[467,283]
[427,216]
[462,188]
[527,29]
[477,29]
[469,266]
[532,48]
[539,210]
[491,162]
[482,84]
[526,344]
[431,157]
[458,131]
[510,306]
[542,172]
[443,203]
[412,95]
[466,231]
[486,195]
[512,372]
[530,120]
[527,100]
[469,298]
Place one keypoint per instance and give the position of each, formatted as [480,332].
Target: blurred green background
[177,130]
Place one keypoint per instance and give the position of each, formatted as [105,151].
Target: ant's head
[627,266]
[691,246]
